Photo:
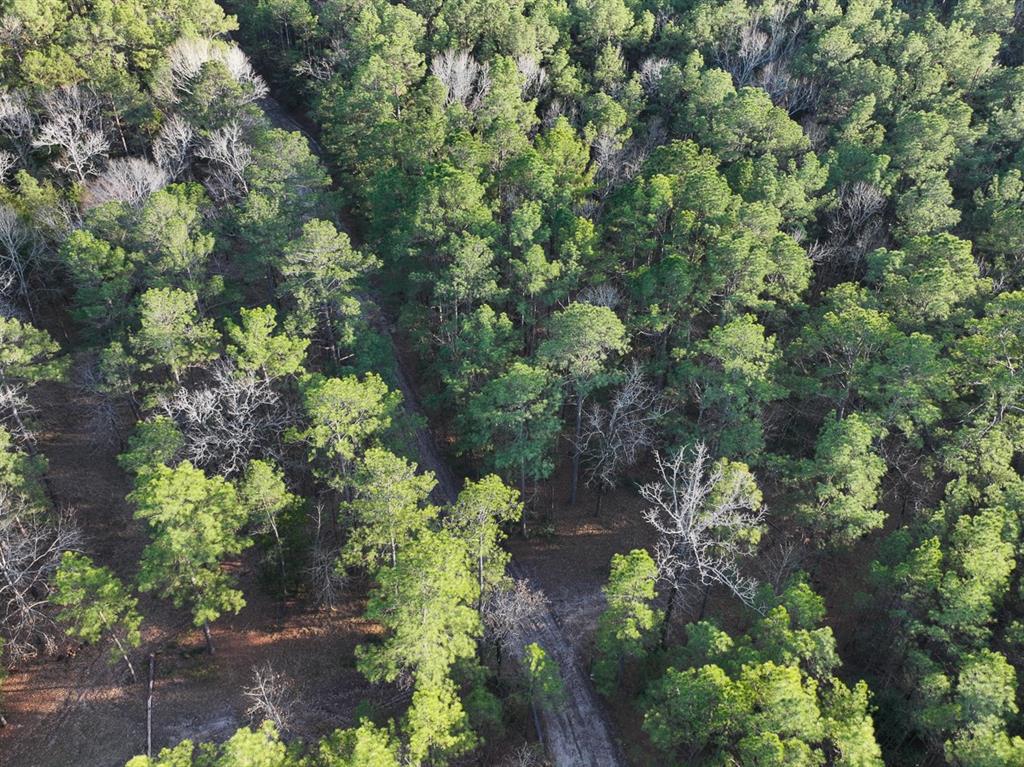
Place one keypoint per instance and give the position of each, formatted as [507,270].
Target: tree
[321,273]
[477,517]
[96,604]
[508,611]
[846,473]
[392,506]
[171,334]
[581,338]
[263,493]
[254,346]
[424,601]
[543,682]
[513,420]
[195,523]
[623,630]
[27,356]
[708,517]
[345,414]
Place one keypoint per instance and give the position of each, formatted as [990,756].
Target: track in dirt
[578,733]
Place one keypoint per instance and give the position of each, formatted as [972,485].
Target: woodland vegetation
[758,263]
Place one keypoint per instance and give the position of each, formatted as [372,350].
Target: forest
[512,383]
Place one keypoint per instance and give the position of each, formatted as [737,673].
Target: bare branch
[271,697]
[74,125]
[125,179]
[708,520]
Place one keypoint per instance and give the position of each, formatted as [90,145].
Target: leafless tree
[708,519]
[616,437]
[535,77]
[173,146]
[20,252]
[271,698]
[508,612]
[327,581]
[229,156]
[30,549]
[234,417]
[8,161]
[651,72]
[856,227]
[525,755]
[125,179]
[74,125]
[186,58]
[604,294]
[16,121]
[758,51]
[466,80]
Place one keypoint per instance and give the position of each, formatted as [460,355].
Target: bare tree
[20,251]
[535,77]
[466,80]
[125,179]
[525,755]
[30,549]
[186,58]
[8,161]
[651,72]
[173,146]
[604,294]
[74,125]
[708,516]
[271,698]
[16,121]
[327,581]
[509,610]
[229,155]
[237,416]
[616,437]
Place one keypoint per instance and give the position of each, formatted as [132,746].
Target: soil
[77,709]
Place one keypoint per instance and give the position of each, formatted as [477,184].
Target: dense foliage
[760,260]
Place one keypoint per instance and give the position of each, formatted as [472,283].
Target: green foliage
[478,516]
[195,523]
[171,334]
[543,678]
[768,698]
[624,628]
[390,509]
[96,605]
[364,746]
[253,345]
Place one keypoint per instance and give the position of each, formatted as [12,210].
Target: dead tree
[708,515]
[229,156]
[271,698]
[125,179]
[73,125]
[31,545]
[466,80]
[235,417]
[616,437]
[186,59]
[20,252]
[173,146]
[508,611]
[16,122]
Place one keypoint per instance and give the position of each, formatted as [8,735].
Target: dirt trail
[578,733]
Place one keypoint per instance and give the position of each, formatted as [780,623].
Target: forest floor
[76,709]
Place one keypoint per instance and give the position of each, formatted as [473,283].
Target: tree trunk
[576,450]
[149,706]
[667,618]
[127,660]
[536,723]
[209,637]
[600,498]
[704,602]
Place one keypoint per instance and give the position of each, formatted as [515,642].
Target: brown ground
[77,710]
